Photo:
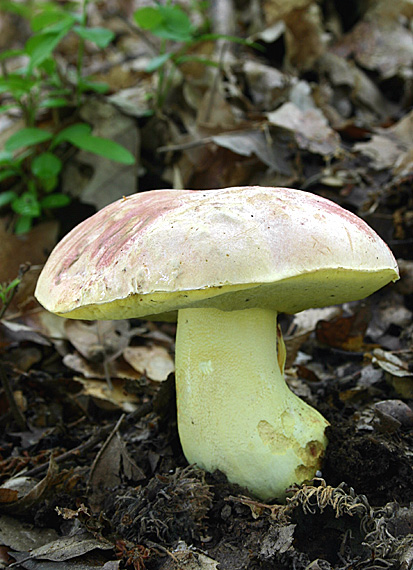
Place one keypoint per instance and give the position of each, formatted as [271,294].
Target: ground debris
[355,534]
[170,507]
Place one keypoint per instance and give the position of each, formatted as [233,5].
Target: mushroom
[224,263]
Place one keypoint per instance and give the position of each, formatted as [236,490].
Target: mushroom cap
[153,253]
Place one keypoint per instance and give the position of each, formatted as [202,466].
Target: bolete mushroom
[224,263]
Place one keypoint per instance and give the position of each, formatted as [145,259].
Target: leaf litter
[94,476]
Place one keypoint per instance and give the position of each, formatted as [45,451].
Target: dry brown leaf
[392,147]
[215,113]
[304,37]
[29,491]
[116,398]
[134,101]
[23,536]
[155,362]
[95,370]
[64,549]
[403,130]
[302,325]
[391,363]
[8,495]
[361,89]
[100,340]
[265,83]
[310,128]
[345,332]
[111,465]
[250,143]
[11,331]
[379,44]
[381,150]
[275,10]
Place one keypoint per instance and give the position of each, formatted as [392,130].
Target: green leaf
[7,197]
[27,137]
[4,174]
[6,54]
[6,157]
[12,285]
[72,133]
[41,46]
[176,24]
[49,67]
[106,148]
[4,108]
[55,201]
[53,102]
[169,22]
[16,84]
[49,184]
[79,135]
[99,36]
[96,86]
[46,165]
[157,62]
[26,205]
[52,21]
[148,18]
[23,224]
[16,8]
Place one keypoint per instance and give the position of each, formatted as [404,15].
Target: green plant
[170,23]
[7,291]
[31,161]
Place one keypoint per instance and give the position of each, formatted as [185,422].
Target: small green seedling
[31,161]
[7,291]
[170,23]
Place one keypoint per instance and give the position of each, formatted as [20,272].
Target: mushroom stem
[235,411]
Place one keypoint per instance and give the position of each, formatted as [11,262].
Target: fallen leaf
[115,399]
[382,151]
[390,363]
[345,332]
[29,492]
[305,39]
[155,362]
[362,90]
[310,128]
[11,331]
[111,466]
[249,143]
[301,326]
[265,83]
[67,547]
[382,45]
[100,340]
[19,535]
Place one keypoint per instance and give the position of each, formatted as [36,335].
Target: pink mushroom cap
[153,253]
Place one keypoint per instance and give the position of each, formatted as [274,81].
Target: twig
[103,448]
[92,441]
